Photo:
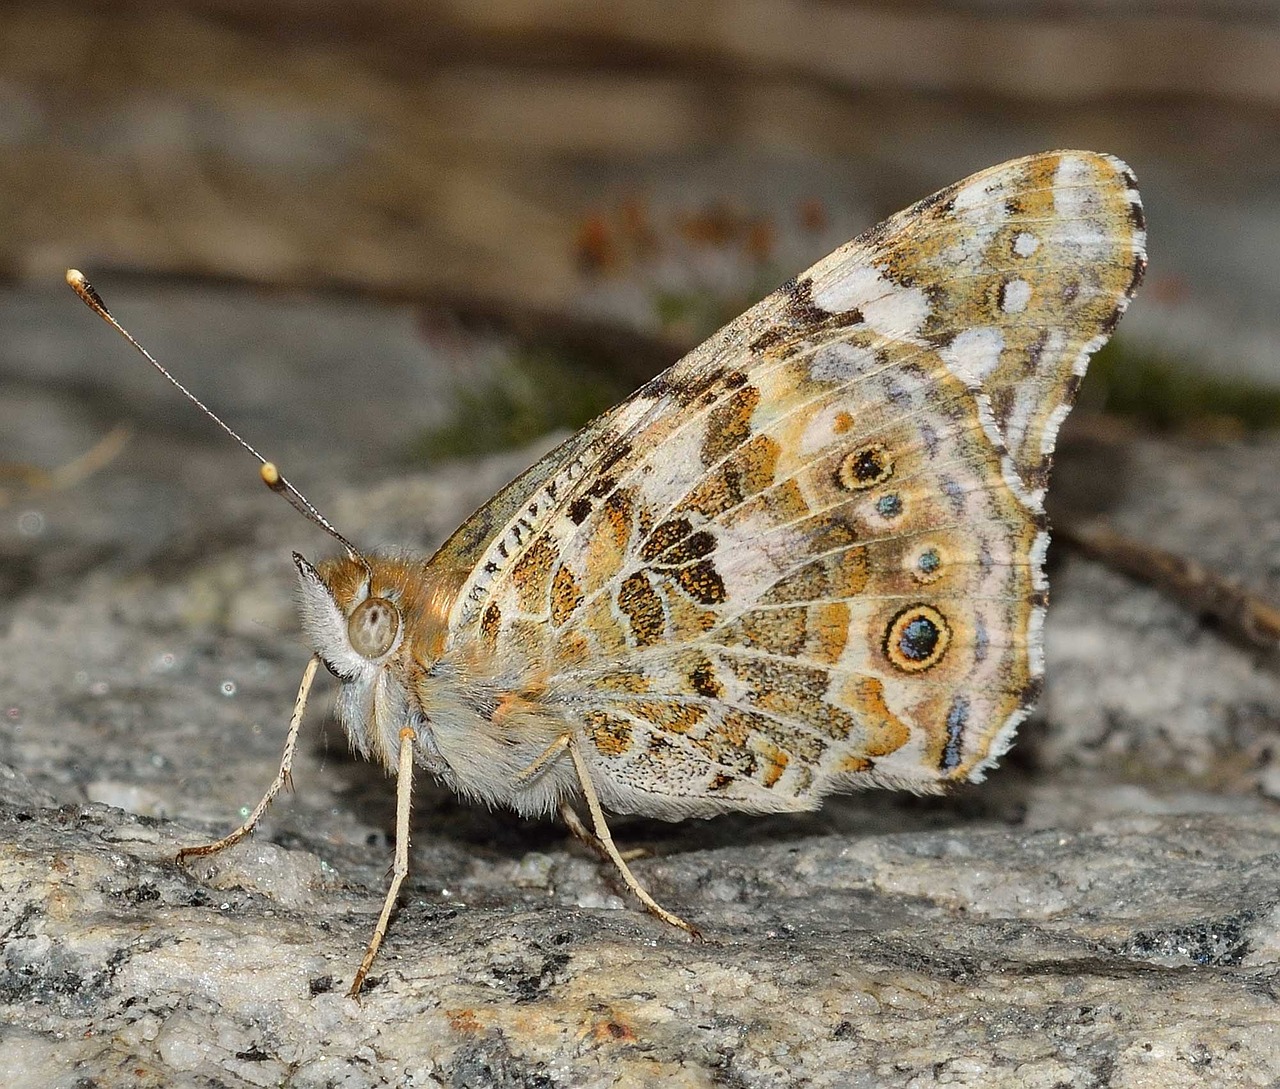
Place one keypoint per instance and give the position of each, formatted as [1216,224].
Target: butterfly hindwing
[809,556]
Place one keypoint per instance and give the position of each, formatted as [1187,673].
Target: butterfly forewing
[1027,268]
[809,556]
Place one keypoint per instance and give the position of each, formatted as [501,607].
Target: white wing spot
[974,353]
[1081,364]
[1051,425]
[631,413]
[888,308]
[1035,641]
[981,200]
[1073,194]
[1025,244]
[897,315]
[1017,293]
[1039,553]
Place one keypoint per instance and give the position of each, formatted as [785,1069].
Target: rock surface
[1102,912]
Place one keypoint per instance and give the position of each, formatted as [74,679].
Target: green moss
[1166,394]
[539,391]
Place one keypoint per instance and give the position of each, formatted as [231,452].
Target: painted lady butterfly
[807,558]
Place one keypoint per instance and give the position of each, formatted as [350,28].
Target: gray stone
[1137,682]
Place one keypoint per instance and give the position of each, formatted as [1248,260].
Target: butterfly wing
[810,555]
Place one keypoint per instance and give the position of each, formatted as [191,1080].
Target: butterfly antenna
[271,476]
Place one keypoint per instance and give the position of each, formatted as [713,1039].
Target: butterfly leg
[281,779]
[548,754]
[605,840]
[404,790]
[583,834]
[568,814]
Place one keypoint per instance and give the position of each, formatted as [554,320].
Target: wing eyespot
[889,506]
[927,564]
[917,639]
[865,467]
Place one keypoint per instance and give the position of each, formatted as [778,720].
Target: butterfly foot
[669,917]
[203,850]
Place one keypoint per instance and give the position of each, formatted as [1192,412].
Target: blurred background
[386,233]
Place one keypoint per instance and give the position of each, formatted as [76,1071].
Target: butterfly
[807,558]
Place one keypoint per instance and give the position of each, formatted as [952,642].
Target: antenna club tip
[270,474]
[91,299]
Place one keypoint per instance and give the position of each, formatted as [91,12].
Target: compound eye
[373,627]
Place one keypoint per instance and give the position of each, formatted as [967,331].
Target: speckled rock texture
[1101,913]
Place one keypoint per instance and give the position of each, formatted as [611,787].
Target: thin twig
[1242,615]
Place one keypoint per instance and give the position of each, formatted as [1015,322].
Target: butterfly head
[354,624]
[354,618]
[375,622]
